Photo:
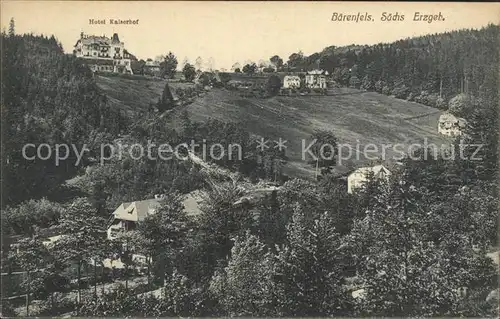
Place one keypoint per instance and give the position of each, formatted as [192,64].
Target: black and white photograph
[249,159]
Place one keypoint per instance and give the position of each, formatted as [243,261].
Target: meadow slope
[355,117]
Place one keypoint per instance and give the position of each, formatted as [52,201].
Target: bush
[41,213]
[432,100]
[319,90]
[459,104]
[58,303]
[262,93]
[225,77]
[422,97]
[429,99]
[179,298]
[179,92]
[354,82]
[273,84]
[7,309]
[43,283]
[386,90]
[305,90]
[440,103]
[367,84]
[379,85]
[401,91]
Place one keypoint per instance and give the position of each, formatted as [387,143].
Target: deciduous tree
[165,232]
[168,66]
[30,255]
[83,236]
[324,148]
[245,286]
[189,72]
[250,68]
[277,62]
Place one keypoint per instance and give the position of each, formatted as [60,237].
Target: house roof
[448,117]
[96,40]
[448,120]
[115,38]
[376,170]
[100,40]
[51,240]
[316,72]
[136,211]
[139,210]
[192,202]
[132,57]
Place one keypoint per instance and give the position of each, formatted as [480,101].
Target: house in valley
[316,79]
[361,175]
[104,54]
[52,240]
[291,82]
[451,125]
[127,216]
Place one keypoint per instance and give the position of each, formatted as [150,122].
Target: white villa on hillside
[291,82]
[360,176]
[451,125]
[152,67]
[316,79]
[104,54]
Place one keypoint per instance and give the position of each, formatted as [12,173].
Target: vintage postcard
[249,159]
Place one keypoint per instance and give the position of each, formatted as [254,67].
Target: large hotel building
[104,54]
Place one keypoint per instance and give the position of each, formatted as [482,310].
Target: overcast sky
[237,31]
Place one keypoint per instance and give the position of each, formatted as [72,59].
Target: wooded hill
[47,97]
[421,69]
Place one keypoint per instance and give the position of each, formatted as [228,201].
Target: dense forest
[414,246]
[47,97]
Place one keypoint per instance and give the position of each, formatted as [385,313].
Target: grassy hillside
[132,95]
[351,114]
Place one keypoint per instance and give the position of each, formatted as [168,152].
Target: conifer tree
[166,102]
[309,269]
[12,27]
